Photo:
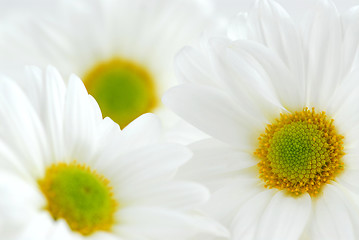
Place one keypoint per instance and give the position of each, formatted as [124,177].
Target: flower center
[80,196]
[123,90]
[300,152]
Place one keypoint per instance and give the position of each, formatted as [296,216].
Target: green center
[123,90]
[298,151]
[79,196]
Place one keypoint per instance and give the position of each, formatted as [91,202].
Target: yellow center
[300,152]
[80,196]
[124,90]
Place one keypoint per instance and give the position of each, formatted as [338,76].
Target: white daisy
[66,173]
[281,103]
[123,50]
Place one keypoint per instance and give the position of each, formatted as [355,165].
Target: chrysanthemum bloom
[123,50]
[66,173]
[281,103]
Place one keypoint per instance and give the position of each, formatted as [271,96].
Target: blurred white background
[226,7]
[294,7]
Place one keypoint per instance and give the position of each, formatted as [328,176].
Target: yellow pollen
[80,196]
[300,152]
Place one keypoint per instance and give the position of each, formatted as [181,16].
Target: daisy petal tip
[272,8]
[327,4]
[185,153]
[149,120]
[152,120]
[222,232]
[32,69]
[266,4]
[76,82]
[214,228]
[182,54]
[50,69]
[54,74]
[173,95]
[184,50]
[7,84]
[108,120]
[204,192]
[218,44]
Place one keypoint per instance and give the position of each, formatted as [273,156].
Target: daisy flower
[280,101]
[66,173]
[123,50]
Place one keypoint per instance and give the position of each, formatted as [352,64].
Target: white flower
[281,103]
[66,173]
[123,50]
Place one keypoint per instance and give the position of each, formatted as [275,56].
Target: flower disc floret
[80,196]
[300,152]
[123,89]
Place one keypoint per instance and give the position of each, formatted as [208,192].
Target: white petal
[34,86]
[343,108]
[214,160]
[54,110]
[11,162]
[61,231]
[323,37]
[351,158]
[96,111]
[213,112]
[209,227]
[79,129]
[334,217]
[43,227]
[184,133]
[103,236]
[108,135]
[265,72]
[247,77]
[236,192]
[20,199]
[143,131]
[145,166]
[237,28]
[245,224]
[129,234]
[285,217]
[272,26]
[350,57]
[174,194]
[193,66]
[158,223]
[22,128]
[340,102]
[38,228]
[350,178]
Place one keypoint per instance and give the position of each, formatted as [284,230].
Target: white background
[226,7]
[294,7]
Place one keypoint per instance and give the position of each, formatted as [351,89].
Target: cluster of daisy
[161,119]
